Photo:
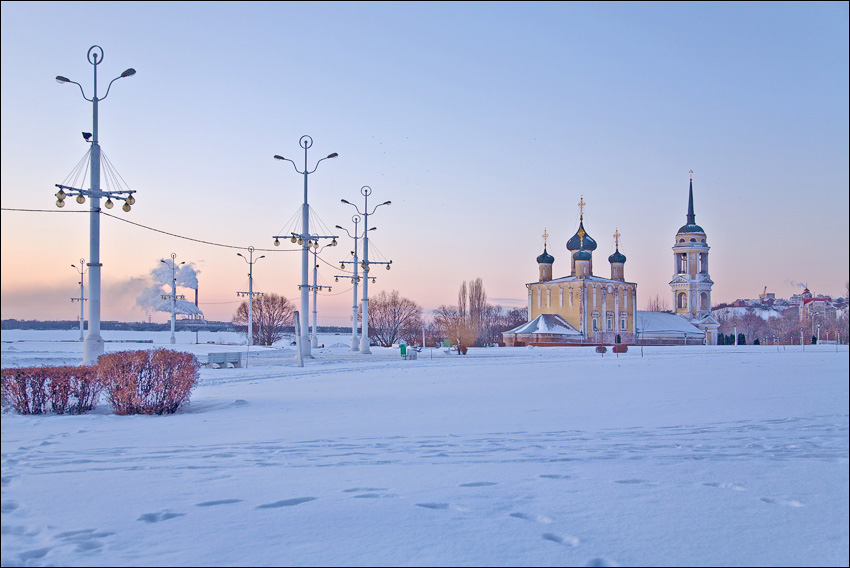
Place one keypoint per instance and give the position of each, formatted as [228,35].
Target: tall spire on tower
[691,216]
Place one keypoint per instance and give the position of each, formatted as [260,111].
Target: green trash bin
[403,348]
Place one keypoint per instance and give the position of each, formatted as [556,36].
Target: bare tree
[271,313]
[454,326]
[658,304]
[478,310]
[392,317]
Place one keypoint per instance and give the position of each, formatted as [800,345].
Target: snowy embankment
[507,456]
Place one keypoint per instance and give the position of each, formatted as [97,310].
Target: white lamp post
[93,343]
[355,279]
[82,298]
[366,191]
[173,296]
[250,293]
[314,337]
[305,142]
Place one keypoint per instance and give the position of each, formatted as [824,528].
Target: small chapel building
[582,308]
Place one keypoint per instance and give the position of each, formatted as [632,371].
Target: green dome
[545,258]
[617,257]
[581,240]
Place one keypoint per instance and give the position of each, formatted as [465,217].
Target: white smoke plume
[151,299]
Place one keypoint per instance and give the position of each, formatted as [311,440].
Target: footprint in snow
[8,506]
[601,562]
[732,486]
[87,540]
[792,503]
[219,502]
[543,519]
[433,505]
[286,503]
[634,482]
[158,517]
[478,484]
[566,540]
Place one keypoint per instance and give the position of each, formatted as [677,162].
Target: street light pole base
[93,347]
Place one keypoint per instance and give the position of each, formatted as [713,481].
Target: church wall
[601,300]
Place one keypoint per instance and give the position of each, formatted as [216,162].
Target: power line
[152,229]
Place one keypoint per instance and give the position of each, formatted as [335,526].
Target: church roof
[583,279]
[664,324]
[617,257]
[581,240]
[552,324]
[582,255]
[545,258]
[690,226]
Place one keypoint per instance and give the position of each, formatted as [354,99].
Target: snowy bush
[148,382]
[74,390]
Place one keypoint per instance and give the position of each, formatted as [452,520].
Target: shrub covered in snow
[74,390]
[148,382]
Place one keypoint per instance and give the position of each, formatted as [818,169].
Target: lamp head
[86,136]
[344,201]
[239,254]
[386,203]
[128,73]
[334,155]
[276,157]
[60,79]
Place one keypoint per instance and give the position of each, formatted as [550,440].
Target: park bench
[219,360]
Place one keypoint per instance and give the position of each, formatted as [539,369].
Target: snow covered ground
[507,456]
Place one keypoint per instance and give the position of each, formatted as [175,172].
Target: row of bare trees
[474,322]
[786,328]
[394,318]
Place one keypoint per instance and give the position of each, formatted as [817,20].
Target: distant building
[816,307]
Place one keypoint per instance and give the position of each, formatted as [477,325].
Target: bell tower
[691,284]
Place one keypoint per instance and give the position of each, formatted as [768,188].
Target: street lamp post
[314,340]
[173,296]
[305,142]
[250,293]
[355,341]
[82,298]
[93,343]
[736,332]
[366,191]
